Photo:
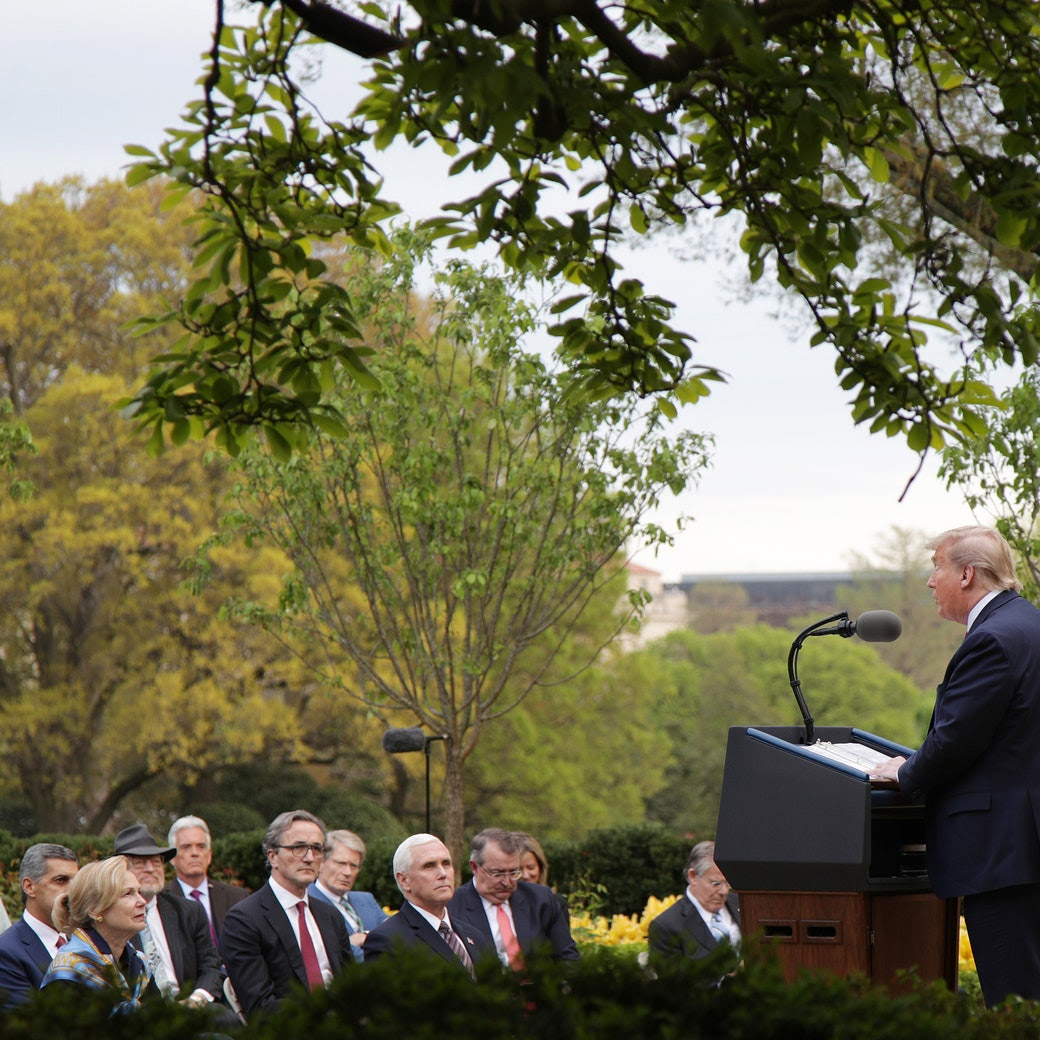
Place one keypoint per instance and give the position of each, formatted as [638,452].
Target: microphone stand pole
[792,670]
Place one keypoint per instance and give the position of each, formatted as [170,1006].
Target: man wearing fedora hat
[177,941]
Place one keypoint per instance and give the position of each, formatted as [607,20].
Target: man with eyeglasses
[707,915]
[520,919]
[278,938]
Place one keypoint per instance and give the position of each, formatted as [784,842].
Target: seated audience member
[514,916]
[425,876]
[335,884]
[190,837]
[705,916]
[101,911]
[279,938]
[534,867]
[27,947]
[176,941]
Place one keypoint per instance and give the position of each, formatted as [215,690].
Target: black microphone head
[410,738]
[879,626]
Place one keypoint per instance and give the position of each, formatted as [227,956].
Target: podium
[830,868]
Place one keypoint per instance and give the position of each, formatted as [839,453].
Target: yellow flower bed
[621,928]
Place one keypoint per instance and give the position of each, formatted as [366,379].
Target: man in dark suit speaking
[515,917]
[707,914]
[979,765]
[278,938]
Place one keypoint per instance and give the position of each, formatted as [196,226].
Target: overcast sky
[794,485]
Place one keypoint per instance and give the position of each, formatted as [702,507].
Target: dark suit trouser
[1004,929]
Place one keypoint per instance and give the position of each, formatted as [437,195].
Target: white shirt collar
[976,610]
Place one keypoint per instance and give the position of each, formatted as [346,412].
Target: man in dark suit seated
[705,916]
[176,942]
[26,948]
[978,767]
[191,838]
[278,938]
[426,877]
[515,917]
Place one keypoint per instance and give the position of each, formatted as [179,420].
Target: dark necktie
[449,936]
[197,896]
[310,955]
[352,915]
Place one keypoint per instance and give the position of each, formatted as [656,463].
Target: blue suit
[979,770]
[23,962]
[364,904]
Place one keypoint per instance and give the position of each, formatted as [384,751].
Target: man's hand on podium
[888,770]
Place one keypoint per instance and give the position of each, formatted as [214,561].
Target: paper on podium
[858,756]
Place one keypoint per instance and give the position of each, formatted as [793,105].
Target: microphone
[410,738]
[875,626]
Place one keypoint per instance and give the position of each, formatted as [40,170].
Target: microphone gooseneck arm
[792,666]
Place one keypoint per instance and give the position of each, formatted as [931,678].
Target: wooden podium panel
[876,934]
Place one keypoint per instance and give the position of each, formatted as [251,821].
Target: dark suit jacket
[222,897]
[538,918]
[195,958]
[978,766]
[409,928]
[680,930]
[23,962]
[261,952]
[364,904]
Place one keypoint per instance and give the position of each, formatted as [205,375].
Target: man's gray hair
[183,824]
[403,855]
[34,861]
[507,841]
[700,859]
[282,822]
[349,840]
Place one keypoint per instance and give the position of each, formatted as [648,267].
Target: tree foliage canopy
[590,123]
[452,541]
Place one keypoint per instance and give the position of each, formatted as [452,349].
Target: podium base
[880,935]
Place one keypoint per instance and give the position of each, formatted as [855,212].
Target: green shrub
[623,865]
[603,997]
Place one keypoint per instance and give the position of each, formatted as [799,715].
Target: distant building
[770,599]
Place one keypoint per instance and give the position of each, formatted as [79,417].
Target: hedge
[603,997]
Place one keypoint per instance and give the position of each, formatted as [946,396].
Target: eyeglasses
[498,875]
[299,851]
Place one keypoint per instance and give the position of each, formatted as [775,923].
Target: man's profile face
[194,855]
[949,584]
[710,888]
[43,894]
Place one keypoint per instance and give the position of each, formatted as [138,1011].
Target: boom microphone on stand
[875,626]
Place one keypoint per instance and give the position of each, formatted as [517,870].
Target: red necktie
[62,940]
[310,955]
[509,941]
[197,896]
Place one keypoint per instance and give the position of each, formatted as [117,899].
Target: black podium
[831,868]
